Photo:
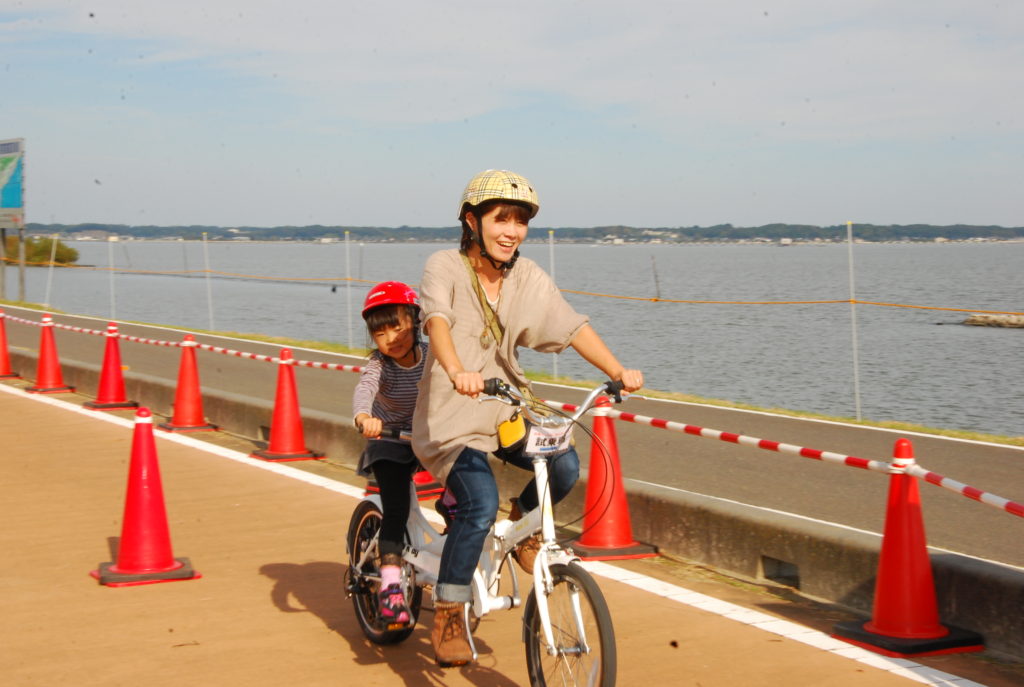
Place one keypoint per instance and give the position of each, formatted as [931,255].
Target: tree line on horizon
[718,232]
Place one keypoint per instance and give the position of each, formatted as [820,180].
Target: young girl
[480,304]
[384,398]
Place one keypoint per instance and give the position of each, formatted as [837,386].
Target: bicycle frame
[425,544]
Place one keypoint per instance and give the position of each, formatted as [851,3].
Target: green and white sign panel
[12,183]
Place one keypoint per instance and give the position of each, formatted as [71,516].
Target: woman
[480,304]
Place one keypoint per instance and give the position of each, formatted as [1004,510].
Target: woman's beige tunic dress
[533,314]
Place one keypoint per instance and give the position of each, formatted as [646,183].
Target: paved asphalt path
[832,493]
[269,610]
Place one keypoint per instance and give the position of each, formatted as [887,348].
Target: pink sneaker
[394,614]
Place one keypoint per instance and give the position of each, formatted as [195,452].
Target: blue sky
[651,114]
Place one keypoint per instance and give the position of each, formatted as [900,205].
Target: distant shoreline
[532,240]
[780,234]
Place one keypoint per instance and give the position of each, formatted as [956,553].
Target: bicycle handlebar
[503,391]
[392,433]
[497,387]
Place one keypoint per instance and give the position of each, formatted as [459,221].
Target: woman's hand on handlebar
[468,383]
[631,380]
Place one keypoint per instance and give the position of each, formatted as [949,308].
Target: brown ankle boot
[450,635]
[525,552]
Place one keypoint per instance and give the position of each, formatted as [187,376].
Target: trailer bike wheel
[364,584]
[584,639]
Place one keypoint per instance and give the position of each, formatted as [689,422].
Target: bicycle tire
[363,527]
[570,666]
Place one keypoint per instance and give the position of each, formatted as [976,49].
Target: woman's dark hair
[518,211]
[388,316]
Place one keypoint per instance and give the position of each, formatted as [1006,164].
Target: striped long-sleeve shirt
[387,391]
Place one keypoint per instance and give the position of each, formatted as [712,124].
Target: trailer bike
[567,628]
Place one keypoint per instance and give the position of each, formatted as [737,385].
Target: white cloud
[742,106]
[817,68]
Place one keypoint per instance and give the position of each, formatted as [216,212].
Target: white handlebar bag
[517,434]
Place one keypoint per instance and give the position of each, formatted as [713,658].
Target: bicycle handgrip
[492,386]
[389,432]
[615,387]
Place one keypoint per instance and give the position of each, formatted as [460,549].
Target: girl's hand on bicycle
[468,383]
[369,426]
[631,379]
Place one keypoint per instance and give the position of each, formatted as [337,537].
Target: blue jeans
[476,497]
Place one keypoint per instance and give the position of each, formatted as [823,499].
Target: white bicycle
[567,628]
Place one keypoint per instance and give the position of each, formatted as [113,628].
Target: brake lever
[504,399]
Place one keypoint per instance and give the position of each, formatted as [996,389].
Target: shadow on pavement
[318,588]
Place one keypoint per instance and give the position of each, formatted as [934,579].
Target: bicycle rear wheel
[365,583]
[584,650]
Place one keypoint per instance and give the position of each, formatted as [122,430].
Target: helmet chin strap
[500,266]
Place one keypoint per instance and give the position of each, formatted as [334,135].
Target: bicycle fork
[544,581]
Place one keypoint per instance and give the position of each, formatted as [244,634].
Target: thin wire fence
[593,294]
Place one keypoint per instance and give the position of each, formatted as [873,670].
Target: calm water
[915,365]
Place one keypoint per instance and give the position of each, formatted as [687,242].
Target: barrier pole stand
[607,529]
[905,619]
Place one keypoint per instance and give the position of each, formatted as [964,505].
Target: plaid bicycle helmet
[495,184]
[498,184]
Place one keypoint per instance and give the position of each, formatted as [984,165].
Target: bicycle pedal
[389,626]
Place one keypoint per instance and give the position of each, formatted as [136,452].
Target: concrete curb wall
[833,563]
[822,561]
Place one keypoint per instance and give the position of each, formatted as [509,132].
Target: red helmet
[390,293]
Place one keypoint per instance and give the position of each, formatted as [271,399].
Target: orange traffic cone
[287,441]
[111,394]
[188,401]
[607,531]
[905,619]
[49,379]
[5,359]
[144,553]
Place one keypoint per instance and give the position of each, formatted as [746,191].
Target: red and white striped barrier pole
[742,439]
[970,492]
[988,498]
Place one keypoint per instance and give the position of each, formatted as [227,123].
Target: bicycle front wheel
[584,639]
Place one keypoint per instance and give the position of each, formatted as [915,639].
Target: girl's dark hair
[388,316]
[517,211]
